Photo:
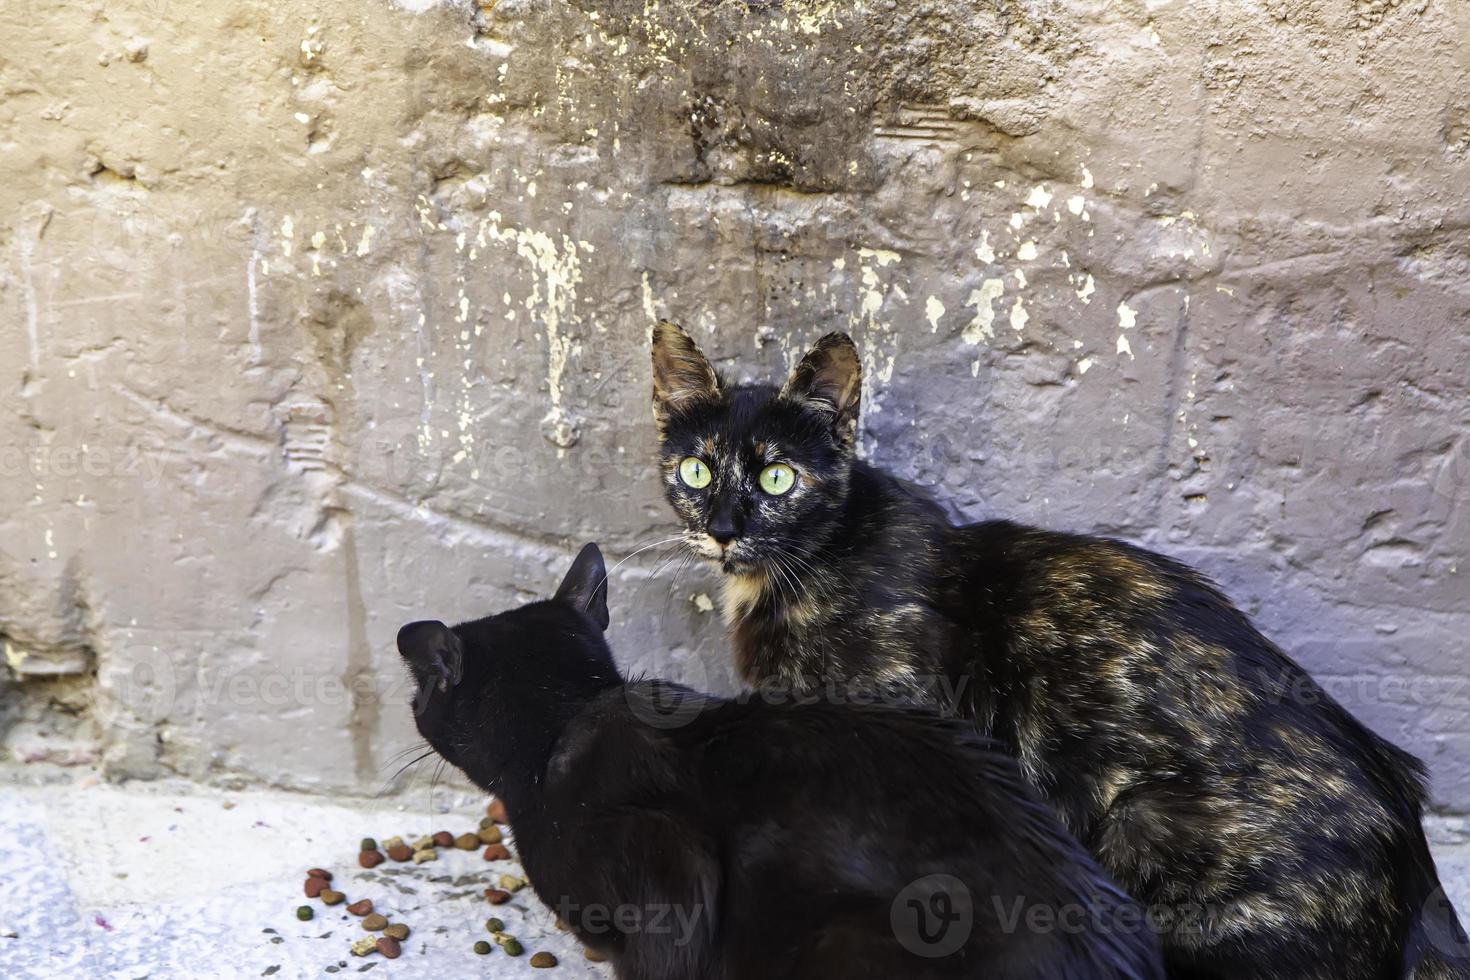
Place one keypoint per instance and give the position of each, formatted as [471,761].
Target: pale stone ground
[161,880]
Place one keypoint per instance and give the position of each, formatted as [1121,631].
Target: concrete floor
[167,880]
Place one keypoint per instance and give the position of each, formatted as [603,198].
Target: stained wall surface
[319,317]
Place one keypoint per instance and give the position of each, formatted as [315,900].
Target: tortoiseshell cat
[1203,767]
[729,840]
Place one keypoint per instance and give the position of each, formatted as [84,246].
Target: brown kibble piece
[315,886]
[496,896]
[401,853]
[467,842]
[443,839]
[361,908]
[490,834]
[497,852]
[374,922]
[543,960]
[496,811]
[397,931]
[592,955]
[389,947]
[332,898]
[370,859]
[319,873]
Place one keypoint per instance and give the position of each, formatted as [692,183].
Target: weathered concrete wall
[324,316]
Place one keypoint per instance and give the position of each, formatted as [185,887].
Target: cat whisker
[418,746]
[626,558]
[389,783]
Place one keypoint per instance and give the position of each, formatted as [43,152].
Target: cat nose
[722,526]
[722,530]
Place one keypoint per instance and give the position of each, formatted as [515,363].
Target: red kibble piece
[370,859]
[496,896]
[496,811]
[361,908]
[314,886]
[497,852]
[319,873]
[443,839]
[389,947]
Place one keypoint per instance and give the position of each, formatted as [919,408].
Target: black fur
[773,839]
[1203,767]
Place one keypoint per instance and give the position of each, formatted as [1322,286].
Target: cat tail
[1437,947]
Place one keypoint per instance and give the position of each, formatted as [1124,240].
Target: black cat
[721,840]
[1204,768]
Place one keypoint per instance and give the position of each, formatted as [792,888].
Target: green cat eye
[694,473]
[777,478]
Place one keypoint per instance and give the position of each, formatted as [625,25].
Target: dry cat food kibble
[364,946]
[592,955]
[315,886]
[368,844]
[490,834]
[543,960]
[482,947]
[361,908]
[370,859]
[319,873]
[496,896]
[397,931]
[497,852]
[423,843]
[330,897]
[374,922]
[443,839]
[304,913]
[496,811]
[389,947]
[401,852]
[419,857]
[511,883]
[512,946]
[467,842]
[493,925]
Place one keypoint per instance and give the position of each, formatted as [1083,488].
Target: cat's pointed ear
[433,652]
[680,371]
[585,587]
[830,378]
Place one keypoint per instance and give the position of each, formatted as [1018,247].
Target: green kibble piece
[494,925]
[368,844]
[304,913]
[482,947]
[512,947]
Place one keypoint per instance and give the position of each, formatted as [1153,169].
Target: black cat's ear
[830,378]
[585,587]
[680,371]
[433,652]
